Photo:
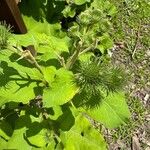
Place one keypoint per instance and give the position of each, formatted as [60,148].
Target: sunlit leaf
[61,90]
[112,112]
[82,137]
[18,81]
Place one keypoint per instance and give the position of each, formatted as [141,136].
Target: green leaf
[105,43]
[69,12]
[66,120]
[24,40]
[17,141]
[3,143]
[51,42]
[51,145]
[47,45]
[61,90]
[82,137]
[49,73]
[2,101]
[32,9]
[45,38]
[18,81]
[5,130]
[112,112]
[28,131]
[39,139]
[42,9]
[85,57]
[80,2]
[38,133]
[55,113]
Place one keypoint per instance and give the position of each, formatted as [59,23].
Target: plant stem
[85,50]
[72,59]
[13,49]
[61,60]
[27,55]
[38,66]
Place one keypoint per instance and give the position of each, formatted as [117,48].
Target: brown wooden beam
[17,1]
[9,12]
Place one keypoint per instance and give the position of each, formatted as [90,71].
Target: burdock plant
[46,101]
[5,33]
[96,79]
[96,76]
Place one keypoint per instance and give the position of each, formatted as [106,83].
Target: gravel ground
[136,134]
[131,34]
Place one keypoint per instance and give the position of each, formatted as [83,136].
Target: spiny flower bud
[5,32]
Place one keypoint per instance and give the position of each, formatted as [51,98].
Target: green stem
[13,49]
[72,59]
[73,105]
[38,66]
[86,50]
[30,59]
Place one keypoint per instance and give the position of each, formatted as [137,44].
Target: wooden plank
[9,12]
[17,1]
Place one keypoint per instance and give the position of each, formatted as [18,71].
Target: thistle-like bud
[98,79]
[5,32]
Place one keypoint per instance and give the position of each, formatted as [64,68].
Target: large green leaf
[48,39]
[66,120]
[36,135]
[112,111]
[29,131]
[69,12]
[5,130]
[106,43]
[38,132]
[45,43]
[46,46]
[3,143]
[53,48]
[49,73]
[2,101]
[55,112]
[42,42]
[17,141]
[18,81]
[43,9]
[82,137]
[61,90]
[80,2]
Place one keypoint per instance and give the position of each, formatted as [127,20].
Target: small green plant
[45,100]
[5,34]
